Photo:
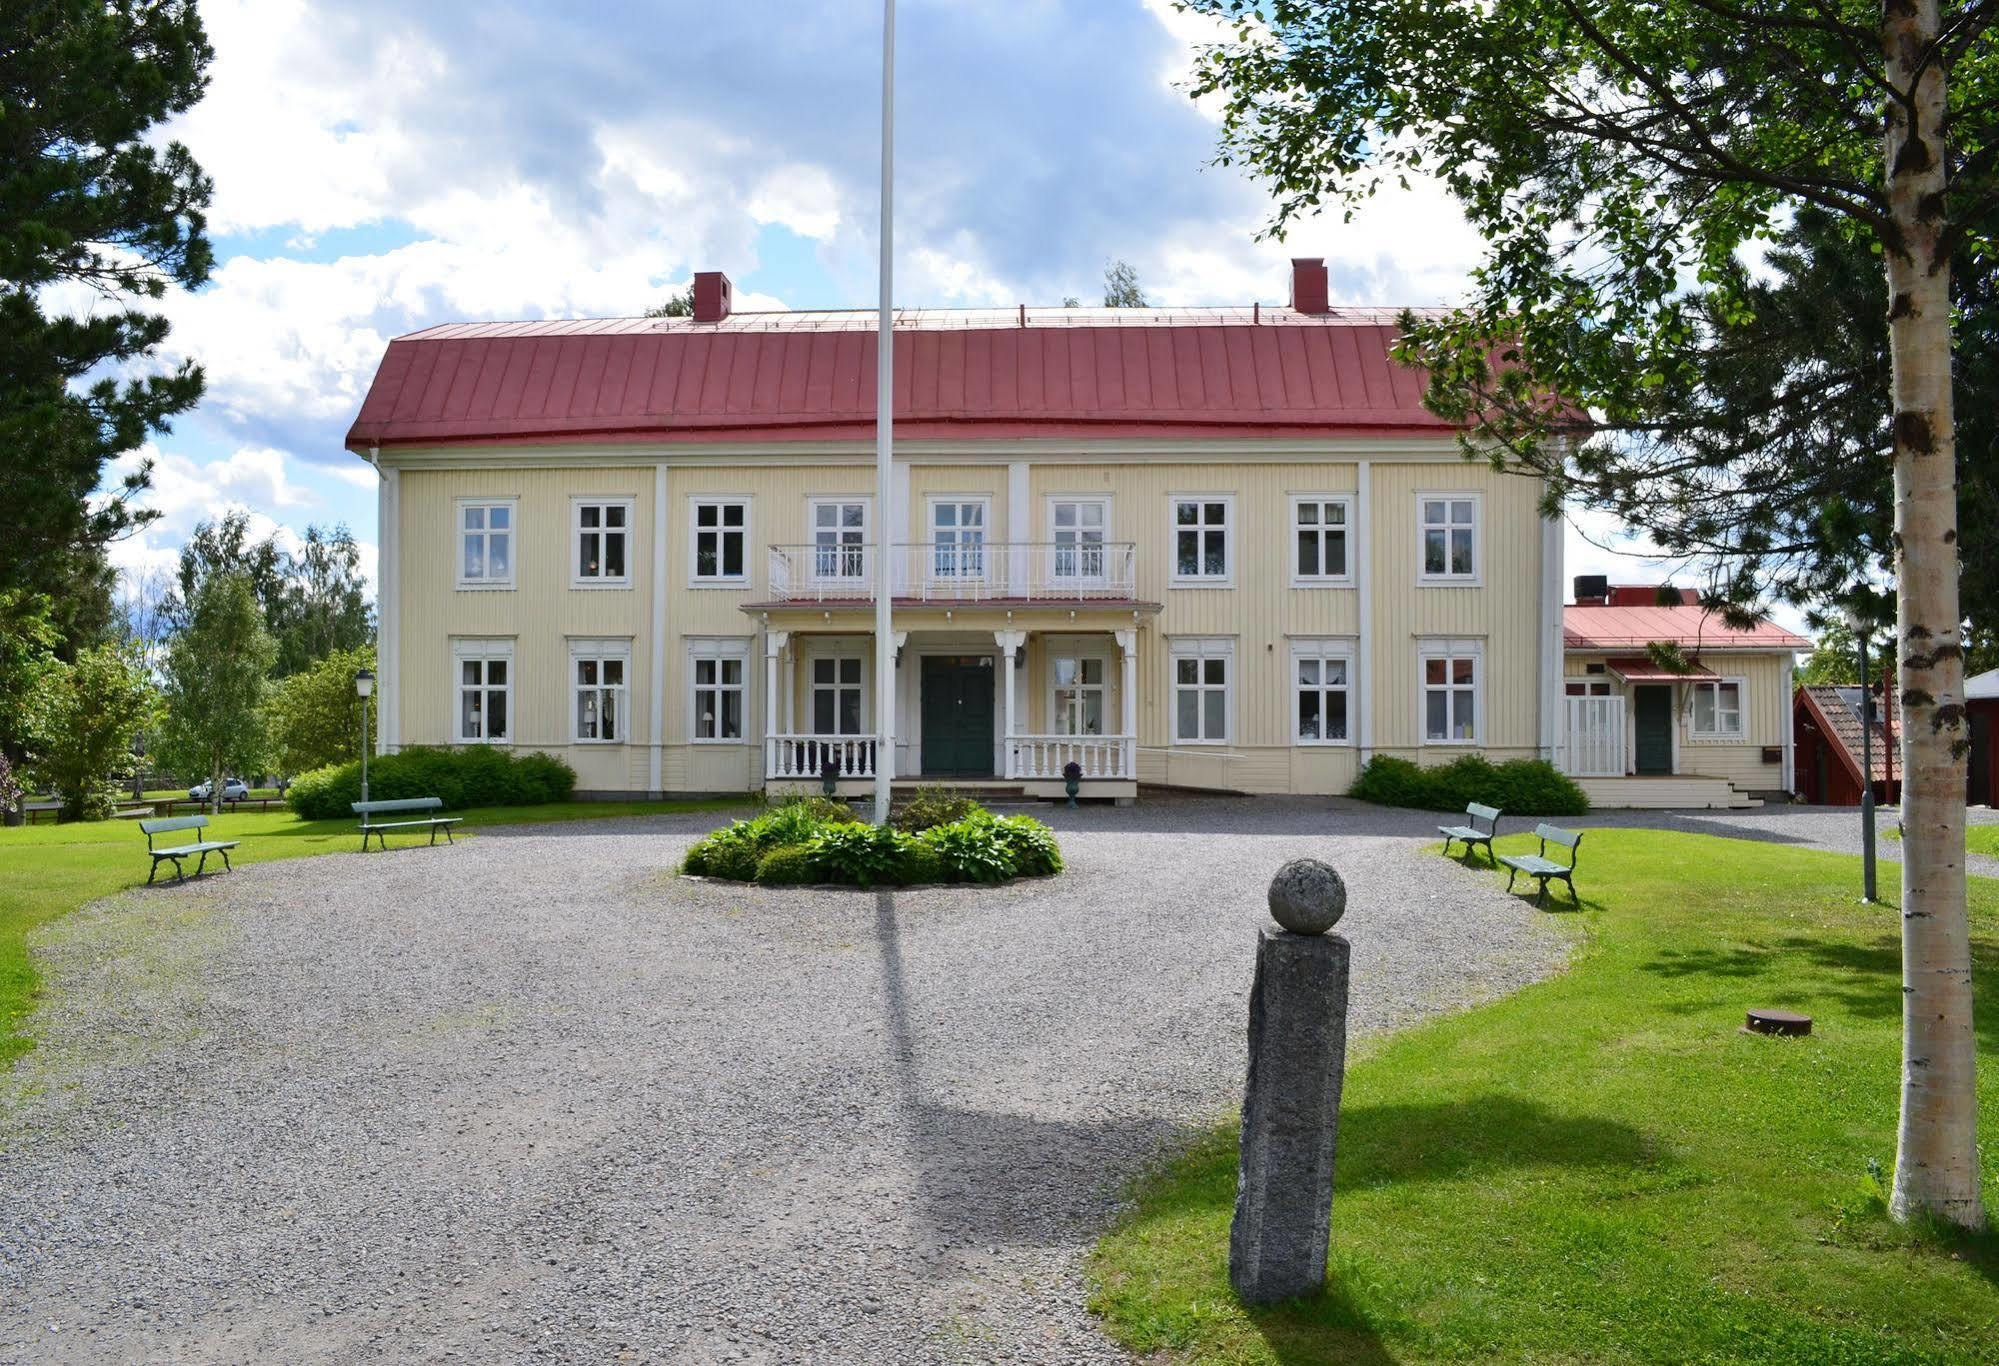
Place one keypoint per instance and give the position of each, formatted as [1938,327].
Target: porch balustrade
[1043,757]
[1593,737]
[957,571]
[804,757]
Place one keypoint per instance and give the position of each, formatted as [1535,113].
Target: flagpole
[885,529]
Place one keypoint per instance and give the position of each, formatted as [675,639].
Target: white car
[233,790]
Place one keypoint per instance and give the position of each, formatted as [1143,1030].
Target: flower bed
[816,840]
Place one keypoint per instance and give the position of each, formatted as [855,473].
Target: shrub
[1521,787]
[788,865]
[920,863]
[475,776]
[973,848]
[1031,845]
[932,807]
[861,854]
[825,810]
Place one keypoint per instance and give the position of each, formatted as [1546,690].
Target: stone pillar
[1291,1102]
[1010,643]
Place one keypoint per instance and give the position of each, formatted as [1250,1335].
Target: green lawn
[49,870]
[1602,1167]
[1979,839]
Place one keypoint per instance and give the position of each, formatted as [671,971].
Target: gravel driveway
[532,1098]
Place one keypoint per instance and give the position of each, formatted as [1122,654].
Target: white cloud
[802,198]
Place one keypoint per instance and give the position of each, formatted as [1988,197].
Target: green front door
[957,716]
[1652,718]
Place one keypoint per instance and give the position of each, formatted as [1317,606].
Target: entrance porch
[1009,705]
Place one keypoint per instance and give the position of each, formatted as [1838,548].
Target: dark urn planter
[1072,779]
[829,776]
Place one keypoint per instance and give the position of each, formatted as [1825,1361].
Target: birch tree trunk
[1936,1157]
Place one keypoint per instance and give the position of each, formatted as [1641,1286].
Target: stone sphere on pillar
[1307,896]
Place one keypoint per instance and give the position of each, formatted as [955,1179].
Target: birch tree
[1621,160]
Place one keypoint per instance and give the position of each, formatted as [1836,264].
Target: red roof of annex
[799,376]
[1692,628]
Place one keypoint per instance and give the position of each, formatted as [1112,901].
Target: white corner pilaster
[657,732]
[388,609]
[1551,738]
[1363,582]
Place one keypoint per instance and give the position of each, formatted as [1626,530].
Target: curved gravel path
[531,1098]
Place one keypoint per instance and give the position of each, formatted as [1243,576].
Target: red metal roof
[1589,629]
[1838,713]
[958,372]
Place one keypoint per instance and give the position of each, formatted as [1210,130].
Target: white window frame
[1476,578]
[486,583]
[836,652]
[1323,651]
[619,650]
[1448,649]
[577,531]
[1059,500]
[717,650]
[487,650]
[1057,650]
[860,559]
[985,567]
[1741,732]
[1350,540]
[1202,649]
[1590,687]
[695,577]
[1225,579]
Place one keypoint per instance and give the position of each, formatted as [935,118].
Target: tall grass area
[49,870]
[1603,1167]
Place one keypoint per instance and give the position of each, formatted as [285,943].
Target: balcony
[956,571]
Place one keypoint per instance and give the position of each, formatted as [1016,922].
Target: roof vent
[1309,291]
[1592,590]
[712,296]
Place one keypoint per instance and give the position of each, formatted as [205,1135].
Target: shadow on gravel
[988,1178]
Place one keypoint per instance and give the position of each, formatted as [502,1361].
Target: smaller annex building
[1981,699]
[1717,733]
[1832,725]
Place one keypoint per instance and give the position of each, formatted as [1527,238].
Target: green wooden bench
[1541,866]
[182,851]
[1469,834]
[365,810]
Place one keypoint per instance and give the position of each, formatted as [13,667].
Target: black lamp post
[1859,624]
[364,688]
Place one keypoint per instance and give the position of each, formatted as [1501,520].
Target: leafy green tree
[1617,160]
[1834,661]
[28,639]
[90,195]
[82,720]
[315,717]
[679,305]
[216,667]
[1121,286]
[314,602]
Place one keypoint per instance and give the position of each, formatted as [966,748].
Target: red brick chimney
[712,296]
[1309,293]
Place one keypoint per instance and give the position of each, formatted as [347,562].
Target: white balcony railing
[806,756]
[1045,756]
[957,571]
[1593,737]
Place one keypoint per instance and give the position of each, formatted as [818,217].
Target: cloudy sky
[381,166]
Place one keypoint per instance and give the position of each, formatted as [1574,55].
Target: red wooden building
[1827,737]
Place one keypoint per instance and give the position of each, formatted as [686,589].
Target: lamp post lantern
[364,687]
[1859,624]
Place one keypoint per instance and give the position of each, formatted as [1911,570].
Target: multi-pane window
[485,692]
[1321,690]
[1079,525]
[1079,694]
[1587,689]
[718,697]
[1200,538]
[486,545]
[836,695]
[1718,710]
[839,540]
[1201,692]
[721,535]
[1450,536]
[600,696]
[1450,697]
[1319,538]
[958,539]
[603,531]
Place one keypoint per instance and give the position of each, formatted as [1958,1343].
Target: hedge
[475,776]
[820,841]
[1519,787]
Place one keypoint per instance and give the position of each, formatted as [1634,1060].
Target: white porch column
[1009,643]
[1127,643]
[773,644]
